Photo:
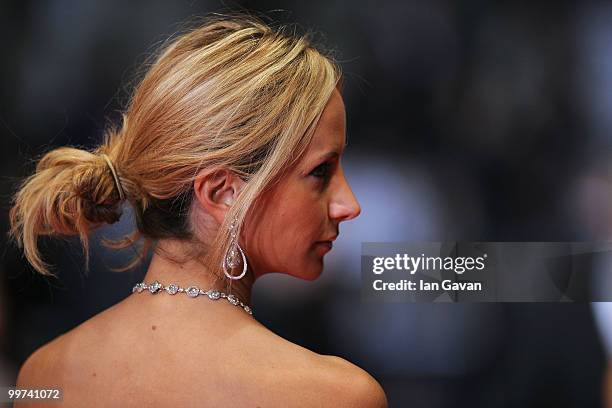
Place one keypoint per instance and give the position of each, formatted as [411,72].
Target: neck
[194,273]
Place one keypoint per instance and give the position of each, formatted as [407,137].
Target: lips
[323,247]
[330,239]
[326,243]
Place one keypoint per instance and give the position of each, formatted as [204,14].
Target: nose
[343,205]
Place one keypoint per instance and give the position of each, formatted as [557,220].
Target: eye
[321,171]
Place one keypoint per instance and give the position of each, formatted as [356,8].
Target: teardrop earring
[232,258]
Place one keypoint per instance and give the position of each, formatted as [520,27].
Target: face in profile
[296,222]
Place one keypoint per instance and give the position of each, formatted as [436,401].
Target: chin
[312,272]
[307,272]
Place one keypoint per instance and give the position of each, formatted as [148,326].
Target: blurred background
[471,120]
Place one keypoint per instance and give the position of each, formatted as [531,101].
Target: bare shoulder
[349,385]
[49,364]
[41,367]
[311,379]
[96,360]
[298,377]
[31,374]
[55,361]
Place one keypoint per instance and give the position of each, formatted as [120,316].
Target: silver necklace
[191,291]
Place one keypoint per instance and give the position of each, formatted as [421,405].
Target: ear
[216,190]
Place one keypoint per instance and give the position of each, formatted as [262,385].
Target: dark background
[471,120]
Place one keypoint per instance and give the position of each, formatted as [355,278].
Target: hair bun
[72,192]
[115,176]
[96,185]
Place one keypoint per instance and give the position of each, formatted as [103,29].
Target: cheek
[295,223]
[284,232]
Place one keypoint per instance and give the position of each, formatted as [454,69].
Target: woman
[229,153]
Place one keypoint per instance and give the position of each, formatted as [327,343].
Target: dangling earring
[231,260]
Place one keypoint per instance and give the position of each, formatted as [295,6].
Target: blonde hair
[232,93]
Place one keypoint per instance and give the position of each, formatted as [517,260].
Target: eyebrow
[333,154]
[328,155]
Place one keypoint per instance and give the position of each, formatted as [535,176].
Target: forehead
[330,132]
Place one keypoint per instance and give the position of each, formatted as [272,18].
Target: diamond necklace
[191,291]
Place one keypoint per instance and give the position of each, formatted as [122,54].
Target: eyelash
[325,167]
